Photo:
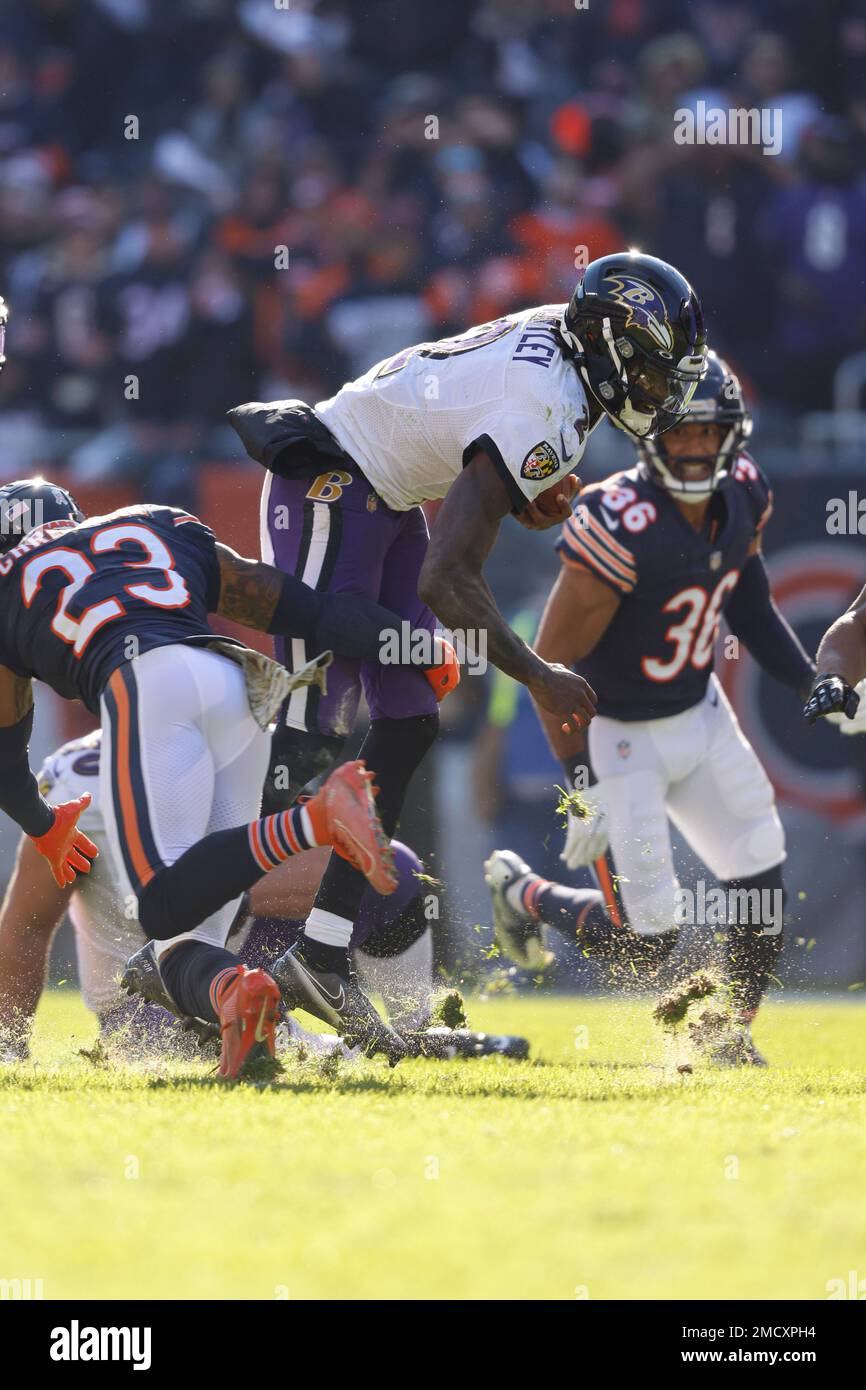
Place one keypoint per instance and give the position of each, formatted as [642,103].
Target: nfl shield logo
[623,748]
[715,559]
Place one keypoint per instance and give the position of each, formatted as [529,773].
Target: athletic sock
[754,941]
[222,866]
[554,904]
[326,941]
[392,750]
[197,977]
[579,914]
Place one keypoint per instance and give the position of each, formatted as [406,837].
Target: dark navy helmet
[718,400]
[637,331]
[31,503]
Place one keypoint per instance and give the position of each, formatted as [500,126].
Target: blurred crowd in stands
[204,201]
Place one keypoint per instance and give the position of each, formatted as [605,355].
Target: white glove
[857,725]
[586,836]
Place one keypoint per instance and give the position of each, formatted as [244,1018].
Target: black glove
[831,695]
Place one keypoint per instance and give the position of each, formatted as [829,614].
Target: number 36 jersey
[78,600]
[656,656]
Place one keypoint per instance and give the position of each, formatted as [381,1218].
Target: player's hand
[536,518]
[831,696]
[68,850]
[856,723]
[567,695]
[586,836]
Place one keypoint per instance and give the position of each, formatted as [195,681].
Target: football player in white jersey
[652,558]
[488,421]
[392,944]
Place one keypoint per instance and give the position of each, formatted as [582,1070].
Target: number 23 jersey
[78,600]
[656,656]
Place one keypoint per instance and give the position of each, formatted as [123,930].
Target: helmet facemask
[735,430]
[642,395]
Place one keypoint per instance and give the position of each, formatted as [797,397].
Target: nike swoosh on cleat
[259,1035]
[336,1000]
[363,852]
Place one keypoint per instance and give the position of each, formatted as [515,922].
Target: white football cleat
[520,936]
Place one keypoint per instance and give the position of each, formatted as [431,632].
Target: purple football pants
[336,534]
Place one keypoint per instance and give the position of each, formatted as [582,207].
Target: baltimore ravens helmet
[636,329]
[718,400]
[30,503]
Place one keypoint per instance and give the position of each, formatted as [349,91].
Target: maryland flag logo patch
[541,461]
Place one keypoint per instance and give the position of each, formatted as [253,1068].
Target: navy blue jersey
[656,656]
[76,601]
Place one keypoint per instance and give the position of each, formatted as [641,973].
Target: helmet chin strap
[634,422]
[701,490]
[683,491]
[631,421]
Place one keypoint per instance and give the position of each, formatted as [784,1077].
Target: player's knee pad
[298,756]
[750,834]
[760,843]
[648,892]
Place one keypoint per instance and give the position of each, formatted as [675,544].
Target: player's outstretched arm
[453,584]
[31,913]
[842,650]
[20,797]
[752,616]
[262,597]
[53,829]
[841,663]
[576,616]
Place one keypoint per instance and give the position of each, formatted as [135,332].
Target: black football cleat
[337,1000]
[448,1044]
[141,978]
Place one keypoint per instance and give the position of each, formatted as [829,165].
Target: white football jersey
[104,937]
[413,421]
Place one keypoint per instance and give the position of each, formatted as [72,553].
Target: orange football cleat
[343,814]
[249,1012]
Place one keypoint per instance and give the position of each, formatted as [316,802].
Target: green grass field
[595,1171]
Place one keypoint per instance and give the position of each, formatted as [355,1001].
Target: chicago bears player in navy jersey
[114,611]
[486,421]
[651,560]
[392,946]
